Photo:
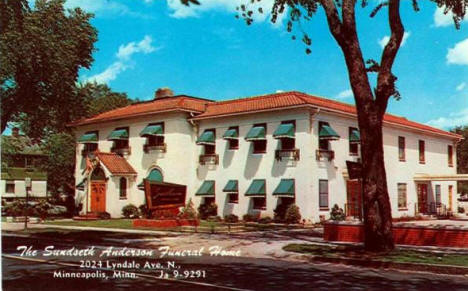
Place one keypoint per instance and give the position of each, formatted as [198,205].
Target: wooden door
[450,197]
[354,202]
[98,196]
[422,198]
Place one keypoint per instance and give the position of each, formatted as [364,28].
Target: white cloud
[383,42]
[105,8]
[344,94]
[458,55]
[454,119]
[441,19]
[179,10]
[461,86]
[123,61]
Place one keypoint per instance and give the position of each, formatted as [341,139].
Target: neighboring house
[251,155]
[20,159]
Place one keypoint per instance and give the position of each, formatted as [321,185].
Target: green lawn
[398,255]
[109,223]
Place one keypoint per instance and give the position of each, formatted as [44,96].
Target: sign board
[164,199]
[354,170]
[27,182]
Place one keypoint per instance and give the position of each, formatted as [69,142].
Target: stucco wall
[38,189]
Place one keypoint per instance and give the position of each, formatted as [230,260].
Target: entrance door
[422,198]
[98,196]
[354,203]
[450,194]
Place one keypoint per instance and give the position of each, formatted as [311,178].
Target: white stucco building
[252,154]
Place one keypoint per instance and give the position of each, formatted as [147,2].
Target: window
[259,146]
[450,155]
[323,193]
[437,194]
[233,198]
[210,149]
[259,203]
[401,148]
[324,144]
[402,196]
[10,187]
[123,188]
[288,143]
[234,142]
[353,144]
[208,200]
[90,147]
[422,146]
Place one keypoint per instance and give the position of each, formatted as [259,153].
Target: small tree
[293,215]
[188,212]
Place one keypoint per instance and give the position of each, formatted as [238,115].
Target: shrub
[207,210]
[265,220]
[130,211]
[145,212]
[42,209]
[188,212]
[213,218]
[231,218]
[15,208]
[280,212]
[461,209]
[104,215]
[249,218]
[337,213]
[293,215]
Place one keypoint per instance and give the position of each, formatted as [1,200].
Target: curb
[438,269]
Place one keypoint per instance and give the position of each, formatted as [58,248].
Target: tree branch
[386,79]
[334,22]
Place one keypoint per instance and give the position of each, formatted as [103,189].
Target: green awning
[81,185]
[231,186]
[207,138]
[326,132]
[285,130]
[231,134]
[88,137]
[121,133]
[354,136]
[256,133]
[206,189]
[152,129]
[154,176]
[256,188]
[285,188]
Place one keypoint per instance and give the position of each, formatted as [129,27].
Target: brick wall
[403,235]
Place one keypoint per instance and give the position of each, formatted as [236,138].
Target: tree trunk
[377,209]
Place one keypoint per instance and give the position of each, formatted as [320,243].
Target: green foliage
[41,52]
[188,212]
[60,164]
[130,211]
[337,213]
[207,210]
[231,218]
[265,220]
[293,215]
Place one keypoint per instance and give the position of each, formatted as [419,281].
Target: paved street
[237,273]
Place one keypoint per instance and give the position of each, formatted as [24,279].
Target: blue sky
[205,51]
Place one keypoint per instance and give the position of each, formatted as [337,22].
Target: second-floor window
[285,133]
[154,134]
[120,138]
[401,148]
[232,137]
[354,140]
[422,156]
[208,141]
[450,155]
[257,135]
[326,134]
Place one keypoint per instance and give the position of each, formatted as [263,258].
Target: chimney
[15,131]
[163,93]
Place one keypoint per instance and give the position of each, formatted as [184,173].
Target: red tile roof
[176,103]
[296,99]
[116,164]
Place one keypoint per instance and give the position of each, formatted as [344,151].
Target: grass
[397,255]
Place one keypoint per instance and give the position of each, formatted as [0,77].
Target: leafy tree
[371,103]
[41,51]
[462,156]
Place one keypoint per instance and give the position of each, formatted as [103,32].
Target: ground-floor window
[233,198]
[208,200]
[323,193]
[259,203]
[10,187]
[402,196]
[437,195]
[123,188]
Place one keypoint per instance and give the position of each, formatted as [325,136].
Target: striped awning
[286,188]
[152,130]
[89,137]
[327,132]
[118,134]
[285,130]
[256,133]
[207,138]
[206,189]
[231,133]
[231,186]
[354,136]
[256,188]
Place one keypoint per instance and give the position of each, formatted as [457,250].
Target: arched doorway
[98,190]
